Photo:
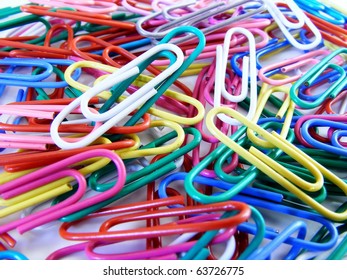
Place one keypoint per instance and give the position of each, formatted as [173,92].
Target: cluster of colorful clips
[173,130]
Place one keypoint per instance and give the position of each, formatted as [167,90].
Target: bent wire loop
[45,66]
[248,72]
[177,227]
[113,116]
[286,109]
[142,96]
[24,160]
[70,205]
[12,255]
[178,246]
[330,32]
[181,176]
[77,15]
[142,177]
[288,65]
[303,20]
[170,252]
[337,125]
[194,18]
[279,174]
[322,11]
[173,250]
[100,7]
[311,75]
[298,243]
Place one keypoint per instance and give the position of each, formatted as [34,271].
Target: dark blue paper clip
[330,77]
[297,242]
[313,74]
[272,46]
[307,40]
[331,148]
[262,121]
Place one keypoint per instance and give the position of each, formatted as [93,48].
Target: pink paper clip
[70,205]
[290,64]
[90,6]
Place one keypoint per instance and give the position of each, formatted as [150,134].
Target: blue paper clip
[311,76]
[266,251]
[35,81]
[296,242]
[330,77]
[336,148]
[12,255]
[322,11]
[249,191]
[25,62]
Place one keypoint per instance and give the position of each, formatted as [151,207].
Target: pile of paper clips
[200,130]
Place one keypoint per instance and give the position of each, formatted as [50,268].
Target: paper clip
[37,80]
[33,126]
[194,18]
[283,24]
[249,191]
[13,62]
[174,249]
[287,109]
[129,56]
[40,217]
[204,86]
[180,245]
[113,116]
[273,170]
[322,11]
[330,32]
[313,74]
[341,100]
[249,71]
[216,155]
[309,93]
[91,6]
[179,227]
[98,45]
[77,15]
[140,178]
[24,160]
[236,43]
[297,243]
[169,75]
[24,20]
[12,255]
[288,65]
[333,122]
